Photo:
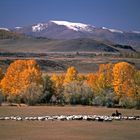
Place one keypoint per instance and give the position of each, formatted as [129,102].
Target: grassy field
[67,130]
[59,62]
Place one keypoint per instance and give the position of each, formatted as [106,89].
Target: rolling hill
[13,42]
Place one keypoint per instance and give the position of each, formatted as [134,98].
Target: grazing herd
[72,117]
[100,118]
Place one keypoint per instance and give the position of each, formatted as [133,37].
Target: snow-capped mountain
[39,27]
[75,26]
[70,25]
[70,30]
[57,30]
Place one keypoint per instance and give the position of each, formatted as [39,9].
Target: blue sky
[119,14]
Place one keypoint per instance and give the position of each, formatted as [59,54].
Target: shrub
[99,101]
[127,102]
[78,93]
[48,89]
[33,94]
[1,98]
[105,98]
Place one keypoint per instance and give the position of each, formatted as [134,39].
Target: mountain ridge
[67,36]
[71,30]
[14,42]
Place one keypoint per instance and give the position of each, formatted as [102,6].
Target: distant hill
[42,45]
[6,34]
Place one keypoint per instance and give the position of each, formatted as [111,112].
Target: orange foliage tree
[105,75]
[71,75]
[137,85]
[123,81]
[92,81]
[58,81]
[101,80]
[20,75]
[1,74]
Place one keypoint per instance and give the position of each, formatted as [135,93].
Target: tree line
[112,85]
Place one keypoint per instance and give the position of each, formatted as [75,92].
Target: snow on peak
[39,27]
[136,32]
[74,26]
[117,31]
[113,30]
[6,29]
[18,28]
[104,28]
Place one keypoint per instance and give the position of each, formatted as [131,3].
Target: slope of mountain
[70,30]
[43,45]
[6,34]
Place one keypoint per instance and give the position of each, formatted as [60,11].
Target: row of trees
[112,84]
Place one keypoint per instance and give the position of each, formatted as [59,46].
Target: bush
[127,102]
[33,94]
[110,98]
[48,90]
[99,101]
[78,93]
[105,98]
[1,98]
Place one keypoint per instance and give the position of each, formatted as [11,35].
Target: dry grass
[67,130]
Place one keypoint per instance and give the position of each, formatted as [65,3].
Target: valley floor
[67,130]
[58,62]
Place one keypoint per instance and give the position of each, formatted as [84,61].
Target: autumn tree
[137,88]
[101,84]
[1,74]
[71,75]
[123,81]
[58,83]
[92,81]
[81,77]
[102,79]
[105,75]
[20,75]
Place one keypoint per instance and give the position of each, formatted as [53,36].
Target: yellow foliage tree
[58,81]
[71,75]
[81,77]
[19,76]
[1,74]
[123,81]
[137,83]
[105,75]
[101,80]
[92,81]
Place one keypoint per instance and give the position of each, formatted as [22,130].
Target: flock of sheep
[72,117]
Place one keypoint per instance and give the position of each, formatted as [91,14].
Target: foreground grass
[67,130]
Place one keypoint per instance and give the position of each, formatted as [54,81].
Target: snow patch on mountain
[75,26]
[18,28]
[113,30]
[117,31]
[136,32]
[6,29]
[39,27]
[104,28]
